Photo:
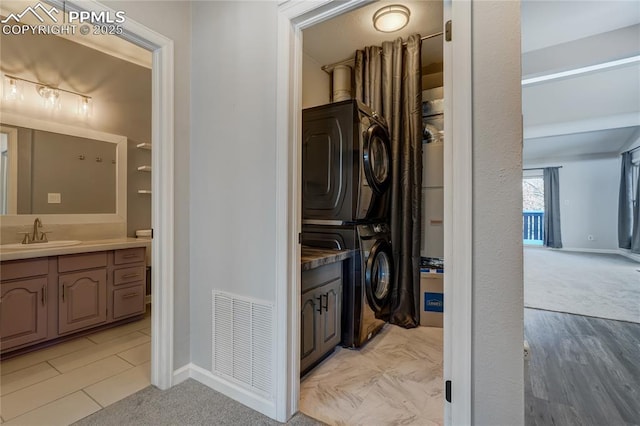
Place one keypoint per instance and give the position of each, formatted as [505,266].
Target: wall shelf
[144,191]
[144,168]
[144,146]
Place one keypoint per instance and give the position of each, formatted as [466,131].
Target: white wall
[173,20]
[588,202]
[497,346]
[233,155]
[316,84]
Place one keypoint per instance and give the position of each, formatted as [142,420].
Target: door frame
[162,164]
[293,17]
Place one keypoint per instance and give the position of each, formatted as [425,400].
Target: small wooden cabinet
[53,297]
[23,312]
[320,313]
[83,300]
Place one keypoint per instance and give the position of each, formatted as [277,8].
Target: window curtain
[388,79]
[552,235]
[625,202]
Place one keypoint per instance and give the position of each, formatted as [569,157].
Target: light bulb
[85,106]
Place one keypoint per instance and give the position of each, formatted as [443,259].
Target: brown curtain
[388,80]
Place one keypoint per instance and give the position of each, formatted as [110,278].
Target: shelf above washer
[144,146]
[144,191]
[144,168]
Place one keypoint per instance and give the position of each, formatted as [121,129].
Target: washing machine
[368,283]
[346,164]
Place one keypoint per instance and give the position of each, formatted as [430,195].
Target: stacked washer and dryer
[346,177]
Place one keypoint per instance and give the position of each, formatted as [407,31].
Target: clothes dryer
[346,164]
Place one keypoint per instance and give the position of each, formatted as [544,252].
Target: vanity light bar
[39,85]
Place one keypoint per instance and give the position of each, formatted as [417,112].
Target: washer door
[379,275]
[377,158]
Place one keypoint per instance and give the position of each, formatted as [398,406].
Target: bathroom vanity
[48,294]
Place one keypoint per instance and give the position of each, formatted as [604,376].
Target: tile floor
[395,379]
[66,382]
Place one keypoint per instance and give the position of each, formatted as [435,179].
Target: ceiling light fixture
[391,18]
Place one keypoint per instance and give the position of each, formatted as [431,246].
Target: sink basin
[48,244]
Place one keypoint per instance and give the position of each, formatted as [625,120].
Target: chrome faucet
[36,237]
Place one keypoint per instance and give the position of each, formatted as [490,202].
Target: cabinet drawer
[24,268]
[129,275]
[128,301]
[77,262]
[131,255]
[319,276]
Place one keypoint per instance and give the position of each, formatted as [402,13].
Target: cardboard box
[432,299]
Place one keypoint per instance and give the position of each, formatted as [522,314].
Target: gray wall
[173,20]
[232,158]
[588,202]
[497,351]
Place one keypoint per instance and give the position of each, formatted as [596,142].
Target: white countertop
[83,247]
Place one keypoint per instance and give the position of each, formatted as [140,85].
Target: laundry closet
[363,332]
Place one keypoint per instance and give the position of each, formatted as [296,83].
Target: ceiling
[587,114]
[337,39]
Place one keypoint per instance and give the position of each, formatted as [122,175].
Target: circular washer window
[379,275]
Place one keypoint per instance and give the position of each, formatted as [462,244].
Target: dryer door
[377,158]
[379,276]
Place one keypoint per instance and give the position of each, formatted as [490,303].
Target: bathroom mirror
[48,168]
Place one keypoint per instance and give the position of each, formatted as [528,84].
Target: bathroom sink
[48,244]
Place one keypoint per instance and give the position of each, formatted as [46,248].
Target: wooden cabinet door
[23,312]
[83,300]
[308,329]
[329,330]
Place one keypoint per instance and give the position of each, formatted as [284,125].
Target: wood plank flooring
[582,370]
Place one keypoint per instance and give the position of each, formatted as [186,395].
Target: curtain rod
[542,168]
[633,149]
[330,67]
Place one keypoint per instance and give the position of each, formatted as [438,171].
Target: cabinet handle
[326,302]
[63,285]
[44,294]
[129,295]
[129,256]
[319,304]
[130,275]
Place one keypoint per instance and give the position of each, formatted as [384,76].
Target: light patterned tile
[138,355]
[86,356]
[146,331]
[383,408]
[63,411]
[34,396]
[27,360]
[26,377]
[121,385]
[395,379]
[114,333]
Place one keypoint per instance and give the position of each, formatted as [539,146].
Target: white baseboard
[622,252]
[181,374]
[627,253]
[219,384]
[589,250]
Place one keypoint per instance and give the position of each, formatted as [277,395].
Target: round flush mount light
[391,18]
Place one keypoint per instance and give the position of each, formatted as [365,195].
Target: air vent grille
[243,342]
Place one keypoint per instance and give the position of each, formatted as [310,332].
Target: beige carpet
[591,284]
